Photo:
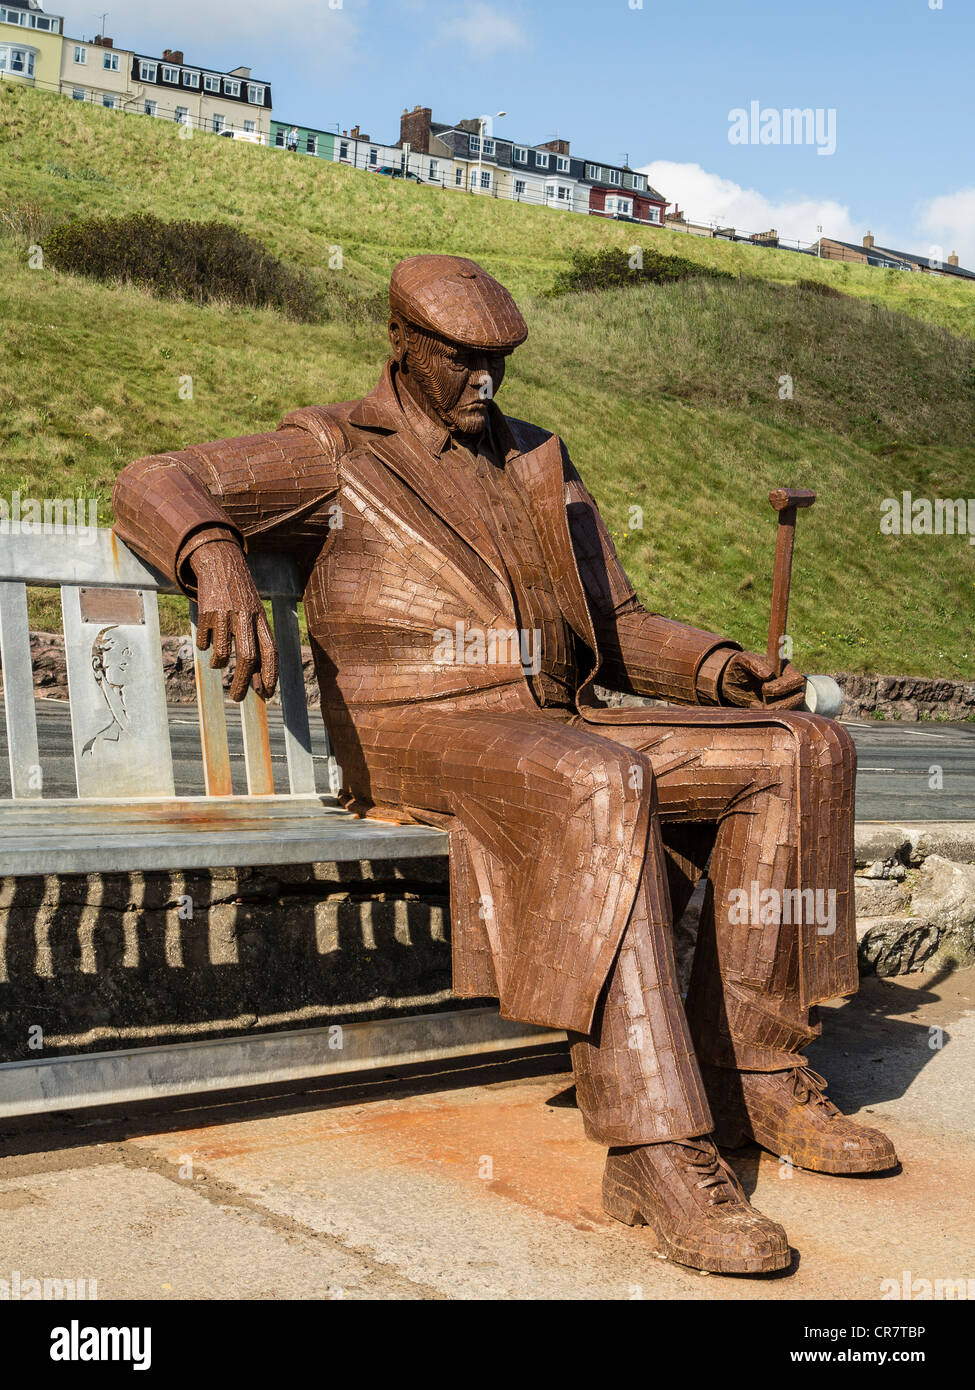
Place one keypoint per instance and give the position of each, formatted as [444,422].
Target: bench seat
[70,836]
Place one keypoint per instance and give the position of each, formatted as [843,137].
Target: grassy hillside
[668,397]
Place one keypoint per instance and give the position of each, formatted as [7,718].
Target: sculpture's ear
[397,338]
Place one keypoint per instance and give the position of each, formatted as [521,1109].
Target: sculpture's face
[452,383]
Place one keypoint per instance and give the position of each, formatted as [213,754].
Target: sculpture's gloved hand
[230,608]
[750,681]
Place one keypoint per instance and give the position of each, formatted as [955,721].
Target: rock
[880,897]
[945,895]
[890,869]
[877,841]
[894,945]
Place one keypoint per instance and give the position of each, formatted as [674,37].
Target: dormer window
[190,79]
[541,159]
[489,147]
[613,176]
[231,86]
[592,172]
[148,72]
[170,74]
[475,144]
[211,83]
[519,154]
[255,94]
[562,164]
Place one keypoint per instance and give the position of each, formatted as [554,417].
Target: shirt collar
[386,408]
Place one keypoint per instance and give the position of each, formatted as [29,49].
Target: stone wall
[868,696]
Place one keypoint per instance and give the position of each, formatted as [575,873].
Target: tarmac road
[897,779]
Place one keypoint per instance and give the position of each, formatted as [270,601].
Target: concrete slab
[488,1189]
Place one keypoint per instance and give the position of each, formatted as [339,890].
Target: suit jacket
[389,555]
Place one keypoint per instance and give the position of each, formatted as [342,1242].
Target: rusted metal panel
[100,605]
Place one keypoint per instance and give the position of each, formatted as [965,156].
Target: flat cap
[459,300]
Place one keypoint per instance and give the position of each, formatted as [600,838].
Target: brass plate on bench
[112,606]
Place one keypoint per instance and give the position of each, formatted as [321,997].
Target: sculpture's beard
[450,392]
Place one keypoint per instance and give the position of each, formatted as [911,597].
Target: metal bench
[126,816]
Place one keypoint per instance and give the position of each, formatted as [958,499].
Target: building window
[592,171]
[30,19]
[250,127]
[485,178]
[519,154]
[279,138]
[77,93]
[211,83]
[519,188]
[170,74]
[255,94]
[433,173]
[639,182]
[541,159]
[147,71]
[18,60]
[311,144]
[654,215]
[562,164]
[80,53]
[219,123]
[191,79]
[231,86]
[622,207]
[149,107]
[459,178]
[108,101]
[475,144]
[343,150]
[489,147]
[181,114]
[110,62]
[613,176]
[373,158]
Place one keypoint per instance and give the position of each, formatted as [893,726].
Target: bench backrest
[116,686]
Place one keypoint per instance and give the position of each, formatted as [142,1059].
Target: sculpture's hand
[230,608]
[750,681]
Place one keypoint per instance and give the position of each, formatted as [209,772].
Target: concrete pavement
[476,1182]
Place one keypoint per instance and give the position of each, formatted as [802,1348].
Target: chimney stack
[173,55]
[414,129]
[868,241]
[953,258]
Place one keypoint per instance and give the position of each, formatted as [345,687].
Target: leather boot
[684,1191]
[788,1113]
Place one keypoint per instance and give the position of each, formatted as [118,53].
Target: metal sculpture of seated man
[420,515]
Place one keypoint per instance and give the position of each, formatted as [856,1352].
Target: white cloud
[483,29]
[949,221]
[706,197]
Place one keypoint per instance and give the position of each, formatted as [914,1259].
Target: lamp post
[482,122]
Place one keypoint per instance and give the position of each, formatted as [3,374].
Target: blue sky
[655,82]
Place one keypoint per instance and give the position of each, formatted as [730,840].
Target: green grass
[668,396]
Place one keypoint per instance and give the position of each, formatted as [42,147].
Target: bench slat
[119,724]
[213,720]
[257,745]
[294,704]
[18,691]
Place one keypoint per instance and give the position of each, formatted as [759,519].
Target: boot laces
[703,1155]
[808,1087]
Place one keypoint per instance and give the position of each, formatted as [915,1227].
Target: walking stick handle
[786,501]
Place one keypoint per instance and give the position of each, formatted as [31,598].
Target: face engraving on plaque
[111,664]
